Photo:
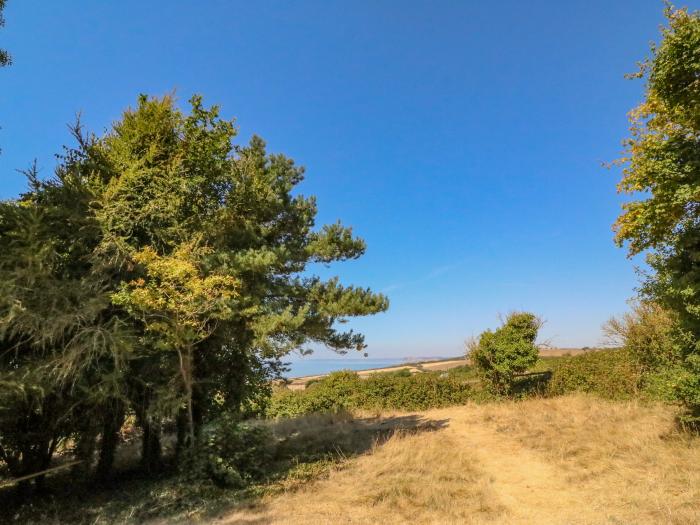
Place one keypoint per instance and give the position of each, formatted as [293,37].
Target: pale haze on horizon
[464,143]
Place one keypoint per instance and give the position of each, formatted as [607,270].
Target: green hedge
[612,374]
[347,391]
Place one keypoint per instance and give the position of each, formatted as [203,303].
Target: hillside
[573,459]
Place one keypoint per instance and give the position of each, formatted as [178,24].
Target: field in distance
[299,383]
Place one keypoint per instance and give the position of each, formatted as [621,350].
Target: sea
[301,367]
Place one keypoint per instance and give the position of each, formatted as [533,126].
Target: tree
[164,270]
[178,306]
[662,172]
[501,354]
[57,349]
[164,179]
[5,58]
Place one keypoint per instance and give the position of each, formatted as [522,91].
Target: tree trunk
[181,423]
[151,451]
[113,421]
[186,372]
[85,451]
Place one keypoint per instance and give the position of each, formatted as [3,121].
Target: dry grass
[627,458]
[570,460]
[409,478]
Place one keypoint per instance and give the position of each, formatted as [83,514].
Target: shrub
[687,386]
[347,391]
[612,374]
[650,333]
[509,350]
[658,345]
[233,454]
[415,392]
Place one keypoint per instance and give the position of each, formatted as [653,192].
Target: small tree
[499,355]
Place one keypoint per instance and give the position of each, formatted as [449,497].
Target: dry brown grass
[411,478]
[568,460]
[628,459]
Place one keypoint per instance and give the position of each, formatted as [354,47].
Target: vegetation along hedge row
[347,391]
[612,374]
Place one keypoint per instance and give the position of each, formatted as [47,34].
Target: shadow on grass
[306,448]
[532,384]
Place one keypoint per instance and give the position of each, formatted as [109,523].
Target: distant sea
[311,367]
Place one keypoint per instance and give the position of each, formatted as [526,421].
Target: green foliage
[348,391]
[687,384]
[655,342]
[416,392]
[501,354]
[611,374]
[162,272]
[650,333]
[662,171]
[233,454]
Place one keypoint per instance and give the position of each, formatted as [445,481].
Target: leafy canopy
[163,270]
[501,354]
[662,174]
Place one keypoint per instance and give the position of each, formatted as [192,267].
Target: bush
[612,374]
[650,333]
[347,391]
[658,345]
[415,392]
[498,356]
[233,454]
[687,386]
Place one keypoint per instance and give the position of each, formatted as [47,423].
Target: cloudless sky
[462,140]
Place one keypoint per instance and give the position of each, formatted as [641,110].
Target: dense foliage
[611,374]
[662,172]
[348,391]
[509,350]
[655,345]
[233,454]
[162,272]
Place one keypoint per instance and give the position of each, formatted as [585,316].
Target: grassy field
[597,452]
[573,459]
[570,459]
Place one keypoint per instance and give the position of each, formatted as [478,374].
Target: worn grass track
[569,460]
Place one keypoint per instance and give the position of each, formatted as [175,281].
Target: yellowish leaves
[175,297]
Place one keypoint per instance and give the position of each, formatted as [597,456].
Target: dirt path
[511,483]
[527,485]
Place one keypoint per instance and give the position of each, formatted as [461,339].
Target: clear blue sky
[463,140]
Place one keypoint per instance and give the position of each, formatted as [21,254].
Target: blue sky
[463,140]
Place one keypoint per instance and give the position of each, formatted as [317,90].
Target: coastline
[300,382]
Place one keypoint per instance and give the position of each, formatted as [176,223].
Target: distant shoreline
[300,382]
[410,362]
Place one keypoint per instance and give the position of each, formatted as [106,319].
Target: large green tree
[165,270]
[662,173]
